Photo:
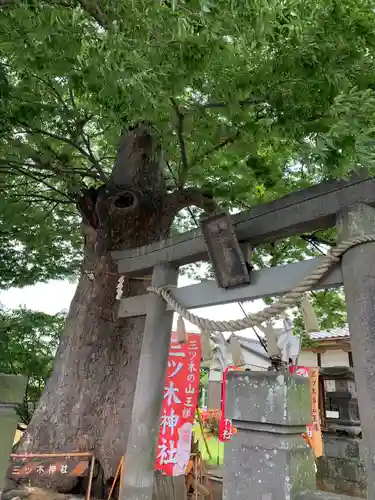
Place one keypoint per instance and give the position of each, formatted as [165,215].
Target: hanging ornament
[271,335]
[236,351]
[309,316]
[181,334]
[206,345]
[226,429]
[119,287]
[289,343]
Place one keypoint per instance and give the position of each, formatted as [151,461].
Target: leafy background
[249,100]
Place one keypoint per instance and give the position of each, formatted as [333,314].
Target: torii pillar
[358,270]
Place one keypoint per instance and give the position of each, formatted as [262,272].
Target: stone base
[340,475]
[342,446]
[341,469]
[322,495]
[268,459]
[38,494]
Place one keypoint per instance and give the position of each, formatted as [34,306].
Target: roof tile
[333,334]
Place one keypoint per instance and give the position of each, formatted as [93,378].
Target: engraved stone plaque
[224,251]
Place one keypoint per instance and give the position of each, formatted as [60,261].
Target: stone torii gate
[346,204]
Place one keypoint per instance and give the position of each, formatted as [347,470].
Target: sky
[56,296]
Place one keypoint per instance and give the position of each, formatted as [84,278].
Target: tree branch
[64,169]
[243,102]
[53,90]
[71,97]
[12,3]
[101,132]
[94,161]
[92,8]
[38,166]
[223,104]
[51,210]
[57,137]
[317,239]
[184,198]
[38,179]
[214,149]
[38,197]
[66,140]
[184,160]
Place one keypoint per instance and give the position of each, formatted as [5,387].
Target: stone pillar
[139,464]
[12,391]
[358,270]
[268,459]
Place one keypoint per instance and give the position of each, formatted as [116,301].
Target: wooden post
[358,269]
[139,463]
[91,474]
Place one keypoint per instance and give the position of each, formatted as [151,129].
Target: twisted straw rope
[290,298]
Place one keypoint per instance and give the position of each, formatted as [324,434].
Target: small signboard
[22,466]
[313,430]
[225,252]
[52,465]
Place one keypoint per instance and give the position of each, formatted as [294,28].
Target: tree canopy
[247,97]
[28,342]
[249,100]
[39,237]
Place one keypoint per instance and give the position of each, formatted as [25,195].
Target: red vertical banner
[181,390]
[226,430]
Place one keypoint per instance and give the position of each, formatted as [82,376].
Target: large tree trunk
[87,403]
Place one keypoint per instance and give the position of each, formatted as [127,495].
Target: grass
[216,448]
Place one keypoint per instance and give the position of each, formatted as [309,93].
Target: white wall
[254,362]
[328,359]
[334,358]
[308,358]
[214,375]
[214,366]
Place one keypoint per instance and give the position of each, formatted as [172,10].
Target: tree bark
[87,403]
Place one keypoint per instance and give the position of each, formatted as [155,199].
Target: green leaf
[28,343]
